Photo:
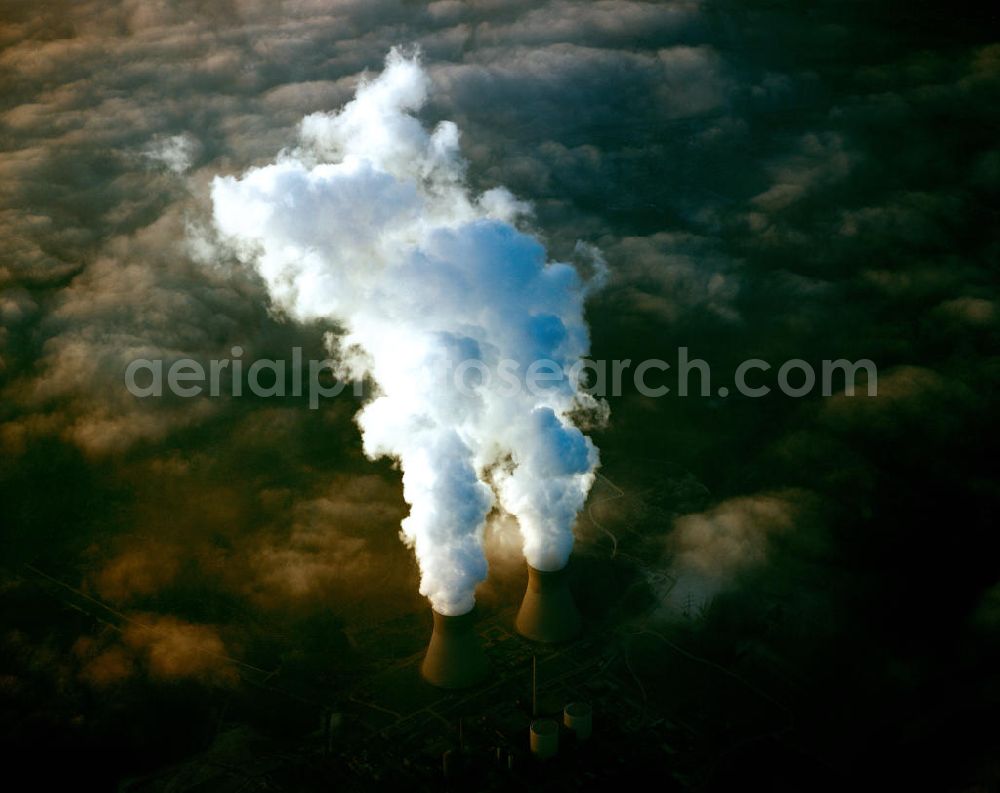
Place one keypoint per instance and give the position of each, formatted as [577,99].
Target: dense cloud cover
[764,180]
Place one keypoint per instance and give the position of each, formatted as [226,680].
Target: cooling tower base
[455,657]
[548,613]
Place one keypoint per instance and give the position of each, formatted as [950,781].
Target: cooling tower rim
[555,571]
[578,709]
[451,622]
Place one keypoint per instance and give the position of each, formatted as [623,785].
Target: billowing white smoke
[369,222]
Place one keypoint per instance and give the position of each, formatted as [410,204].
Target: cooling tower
[548,613]
[455,658]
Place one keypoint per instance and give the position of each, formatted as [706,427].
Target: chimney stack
[548,613]
[455,658]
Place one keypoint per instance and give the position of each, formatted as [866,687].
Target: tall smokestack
[548,613]
[455,657]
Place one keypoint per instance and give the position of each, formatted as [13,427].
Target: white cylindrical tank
[578,717]
[544,738]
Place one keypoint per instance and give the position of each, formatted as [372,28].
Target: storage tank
[577,718]
[544,738]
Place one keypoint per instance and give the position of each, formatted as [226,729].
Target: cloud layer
[764,180]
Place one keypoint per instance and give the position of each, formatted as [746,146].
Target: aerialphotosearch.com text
[316,380]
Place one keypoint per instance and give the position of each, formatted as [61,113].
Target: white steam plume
[369,222]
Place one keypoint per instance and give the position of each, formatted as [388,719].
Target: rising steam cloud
[368,222]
